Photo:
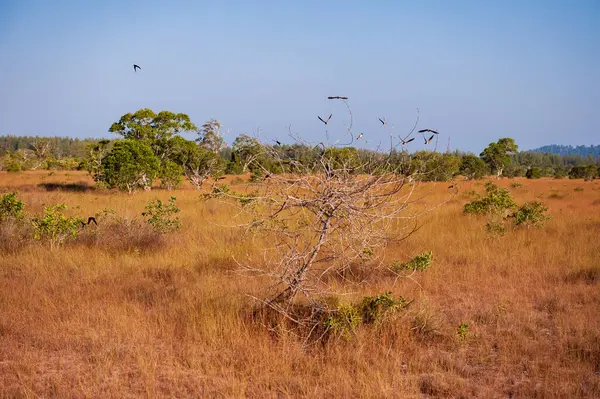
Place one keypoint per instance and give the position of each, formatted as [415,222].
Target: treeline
[150,147]
[580,150]
[60,147]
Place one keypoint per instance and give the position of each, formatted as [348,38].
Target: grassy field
[129,314]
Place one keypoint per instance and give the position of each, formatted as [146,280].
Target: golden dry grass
[170,318]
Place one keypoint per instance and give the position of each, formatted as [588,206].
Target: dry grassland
[137,314]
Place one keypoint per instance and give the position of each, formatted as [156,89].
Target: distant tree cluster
[151,147]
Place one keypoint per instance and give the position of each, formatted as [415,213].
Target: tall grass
[125,312]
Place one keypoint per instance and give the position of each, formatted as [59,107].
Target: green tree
[246,150]
[210,137]
[154,129]
[472,167]
[497,155]
[196,162]
[130,165]
[533,173]
[170,175]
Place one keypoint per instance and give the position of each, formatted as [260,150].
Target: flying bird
[323,120]
[136,67]
[90,220]
[429,139]
[428,130]
[407,141]
[360,136]
[382,121]
[277,142]
[337,98]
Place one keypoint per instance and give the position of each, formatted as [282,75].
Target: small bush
[578,189]
[495,228]
[533,173]
[10,207]
[531,214]
[348,317]
[160,215]
[13,167]
[496,201]
[516,184]
[53,226]
[462,330]
[420,263]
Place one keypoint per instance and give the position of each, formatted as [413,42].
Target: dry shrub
[14,236]
[123,236]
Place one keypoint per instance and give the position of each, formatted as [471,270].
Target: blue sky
[476,70]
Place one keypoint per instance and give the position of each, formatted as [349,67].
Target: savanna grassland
[129,313]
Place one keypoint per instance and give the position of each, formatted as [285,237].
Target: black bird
[136,67]
[267,176]
[451,186]
[382,121]
[428,130]
[337,98]
[429,139]
[90,220]
[323,120]
[277,142]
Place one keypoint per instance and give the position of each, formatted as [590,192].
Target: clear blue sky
[477,70]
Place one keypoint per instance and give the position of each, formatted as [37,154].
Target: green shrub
[516,184]
[11,207]
[347,317]
[13,166]
[344,321]
[462,330]
[420,263]
[496,201]
[531,214]
[53,226]
[170,175]
[160,215]
[533,173]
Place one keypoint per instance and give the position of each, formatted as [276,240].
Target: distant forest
[19,153]
[60,147]
[581,150]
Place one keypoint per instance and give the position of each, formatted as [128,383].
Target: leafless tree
[325,216]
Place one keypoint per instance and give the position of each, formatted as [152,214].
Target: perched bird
[428,130]
[429,139]
[220,178]
[382,121]
[337,98]
[267,176]
[323,120]
[451,186]
[360,136]
[136,67]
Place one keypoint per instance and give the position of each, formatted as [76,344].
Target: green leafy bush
[533,173]
[347,317]
[11,207]
[420,263]
[160,215]
[496,201]
[462,330]
[531,214]
[55,227]
[170,175]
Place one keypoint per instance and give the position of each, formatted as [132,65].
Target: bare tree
[326,215]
